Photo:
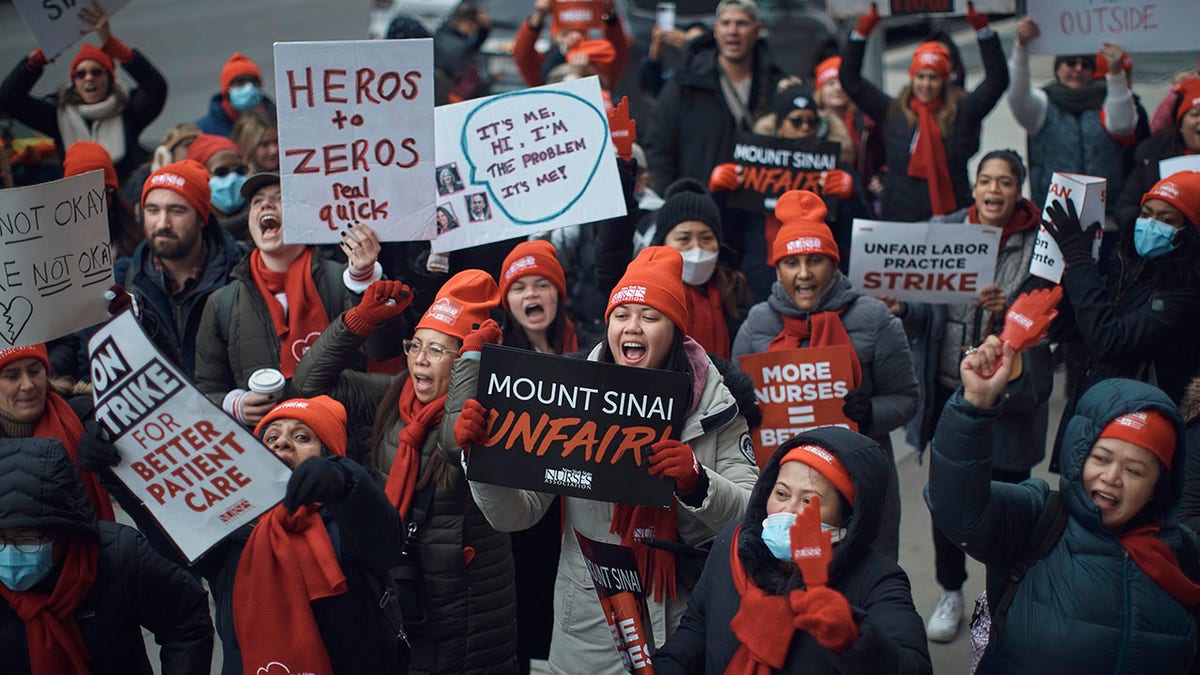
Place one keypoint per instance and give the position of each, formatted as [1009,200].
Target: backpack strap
[1047,530]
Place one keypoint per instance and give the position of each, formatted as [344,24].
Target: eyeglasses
[434,353]
[804,121]
[24,544]
[222,171]
[1079,63]
[82,73]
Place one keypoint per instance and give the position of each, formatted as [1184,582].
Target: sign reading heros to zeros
[923,262]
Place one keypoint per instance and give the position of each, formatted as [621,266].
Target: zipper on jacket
[1126,628]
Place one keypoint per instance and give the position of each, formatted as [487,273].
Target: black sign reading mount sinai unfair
[576,428]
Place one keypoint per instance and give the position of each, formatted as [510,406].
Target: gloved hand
[837,183]
[825,614]
[95,452]
[1074,242]
[977,21]
[867,22]
[812,549]
[675,460]
[119,300]
[725,177]
[471,427]
[382,300]
[316,480]
[37,59]
[486,333]
[857,406]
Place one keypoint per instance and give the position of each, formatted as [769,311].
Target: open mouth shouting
[633,352]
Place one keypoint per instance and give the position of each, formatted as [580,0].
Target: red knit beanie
[580,15]
[529,258]
[85,156]
[802,229]
[931,55]
[1189,96]
[1149,429]
[462,304]
[206,145]
[93,53]
[237,65]
[828,69]
[599,52]
[824,463]
[37,351]
[325,416]
[189,178]
[654,279]
[1181,190]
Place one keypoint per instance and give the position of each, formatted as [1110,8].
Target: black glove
[316,480]
[95,452]
[1074,242]
[857,406]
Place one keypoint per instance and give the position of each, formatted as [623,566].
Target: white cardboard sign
[56,24]
[923,262]
[1081,26]
[1088,193]
[523,162]
[851,8]
[55,260]
[1174,165]
[199,473]
[355,138]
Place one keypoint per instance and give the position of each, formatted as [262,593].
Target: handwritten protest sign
[576,428]
[1080,26]
[523,162]
[614,573]
[923,262]
[797,390]
[56,24]
[1089,196]
[55,260]
[771,166]
[851,8]
[199,473]
[356,138]
[1166,167]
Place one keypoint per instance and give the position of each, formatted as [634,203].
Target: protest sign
[575,428]
[356,138]
[56,24]
[199,473]
[1173,165]
[1088,193]
[845,9]
[614,573]
[55,262]
[585,16]
[771,166]
[524,162]
[1082,26]
[798,390]
[923,262]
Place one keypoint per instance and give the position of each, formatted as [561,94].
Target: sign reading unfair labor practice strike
[1081,26]
[614,572]
[55,260]
[798,390]
[771,166]
[355,138]
[56,24]
[199,473]
[523,162]
[923,262]
[575,428]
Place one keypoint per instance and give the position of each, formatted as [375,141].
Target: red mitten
[825,614]
[837,183]
[622,129]
[867,22]
[977,21]
[675,460]
[471,427]
[812,549]
[37,59]
[486,333]
[726,177]
[382,300]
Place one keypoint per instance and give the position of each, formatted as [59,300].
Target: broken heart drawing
[14,318]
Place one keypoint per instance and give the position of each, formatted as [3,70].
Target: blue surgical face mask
[245,96]
[778,537]
[1153,238]
[227,191]
[20,571]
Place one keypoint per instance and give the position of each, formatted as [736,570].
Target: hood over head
[40,487]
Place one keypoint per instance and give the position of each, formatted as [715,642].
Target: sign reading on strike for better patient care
[923,262]
[56,24]
[798,390]
[614,572]
[771,166]
[1081,26]
[854,8]
[355,138]
[523,162]
[1088,193]
[55,259]
[575,428]
[199,473]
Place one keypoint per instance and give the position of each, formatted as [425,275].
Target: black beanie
[795,97]
[686,199]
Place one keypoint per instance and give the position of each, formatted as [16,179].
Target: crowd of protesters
[383,557]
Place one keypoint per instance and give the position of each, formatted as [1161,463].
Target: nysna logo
[803,245]
[294,404]
[167,180]
[444,310]
[520,264]
[573,478]
[819,452]
[828,73]
[1136,421]
[629,294]
[929,59]
[806,552]
[1022,320]
[1167,189]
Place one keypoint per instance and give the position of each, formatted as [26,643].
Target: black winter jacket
[1163,145]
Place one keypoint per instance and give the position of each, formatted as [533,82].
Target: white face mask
[698,266]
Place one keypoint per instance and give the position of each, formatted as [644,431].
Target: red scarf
[287,563]
[823,329]
[56,646]
[60,421]
[656,566]
[1025,216]
[418,418]
[305,317]
[706,318]
[928,160]
[1154,558]
[570,342]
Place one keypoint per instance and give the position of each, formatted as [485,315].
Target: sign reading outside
[771,166]
[923,262]
[1082,26]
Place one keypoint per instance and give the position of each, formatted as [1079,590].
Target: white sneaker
[946,618]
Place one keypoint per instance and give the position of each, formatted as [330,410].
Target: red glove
[867,22]
[727,177]
[471,427]
[117,49]
[977,21]
[837,183]
[825,614]
[37,59]
[382,300]
[812,549]
[675,460]
[486,333]
[119,300]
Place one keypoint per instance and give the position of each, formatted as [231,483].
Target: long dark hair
[676,361]
[1010,157]
[556,332]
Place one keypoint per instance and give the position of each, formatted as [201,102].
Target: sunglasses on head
[222,171]
[802,121]
[82,73]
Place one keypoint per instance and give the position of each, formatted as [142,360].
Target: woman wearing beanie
[850,610]
[813,305]
[227,173]
[1183,138]
[1109,593]
[533,289]
[456,581]
[93,106]
[646,319]
[241,90]
[865,136]
[932,128]
[124,231]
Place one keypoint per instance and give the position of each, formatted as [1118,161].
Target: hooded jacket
[1144,174]
[891,633]
[1086,607]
